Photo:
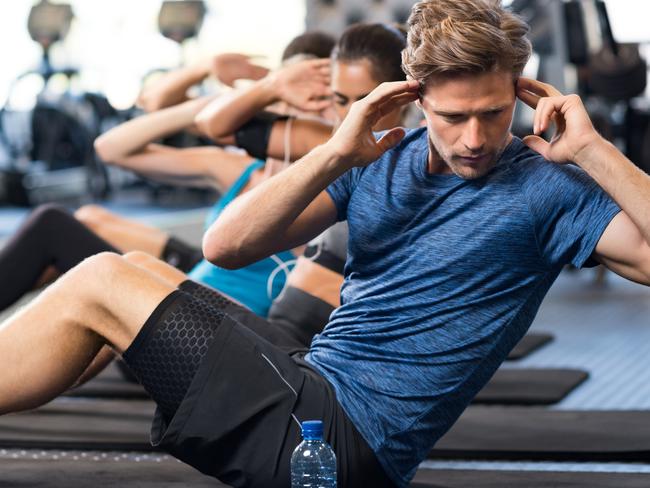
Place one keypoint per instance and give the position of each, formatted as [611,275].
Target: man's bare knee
[139,258]
[93,273]
[111,296]
[82,292]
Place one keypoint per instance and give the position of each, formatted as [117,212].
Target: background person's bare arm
[192,166]
[172,88]
[301,85]
[132,136]
[130,146]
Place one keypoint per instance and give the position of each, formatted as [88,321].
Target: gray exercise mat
[72,423]
[528,344]
[169,473]
[538,434]
[530,386]
[89,471]
[457,478]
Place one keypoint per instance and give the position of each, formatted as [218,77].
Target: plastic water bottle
[313,463]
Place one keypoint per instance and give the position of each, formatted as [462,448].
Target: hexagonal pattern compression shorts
[232,390]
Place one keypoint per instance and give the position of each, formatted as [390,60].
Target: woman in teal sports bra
[255,285]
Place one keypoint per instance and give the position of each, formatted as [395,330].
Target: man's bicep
[623,250]
[320,214]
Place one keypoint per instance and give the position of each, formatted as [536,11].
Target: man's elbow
[220,253]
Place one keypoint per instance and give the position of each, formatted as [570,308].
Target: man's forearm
[628,186]
[260,222]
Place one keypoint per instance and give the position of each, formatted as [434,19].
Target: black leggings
[50,236]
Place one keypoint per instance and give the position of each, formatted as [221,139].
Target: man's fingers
[397,101]
[391,139]
[532,91]
[527,97]
[547,108]
[537,87]
[388,89]
[538,145]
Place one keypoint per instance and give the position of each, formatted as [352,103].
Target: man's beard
[464,171]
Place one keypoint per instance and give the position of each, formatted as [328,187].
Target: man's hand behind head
[574,132]
[354,141]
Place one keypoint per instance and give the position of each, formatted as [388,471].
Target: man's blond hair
[456,37]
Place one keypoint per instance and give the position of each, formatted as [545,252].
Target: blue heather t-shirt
[444,276]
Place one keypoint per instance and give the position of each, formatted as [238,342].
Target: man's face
[468,120]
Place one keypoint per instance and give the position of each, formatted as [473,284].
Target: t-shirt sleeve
[570,212]
[341,190]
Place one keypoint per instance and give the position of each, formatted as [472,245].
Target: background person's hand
[574,132]
[354,142]
[229,67]
[304,85]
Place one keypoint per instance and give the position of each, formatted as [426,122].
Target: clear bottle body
[313,465]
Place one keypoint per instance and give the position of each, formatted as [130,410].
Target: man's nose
[474,135]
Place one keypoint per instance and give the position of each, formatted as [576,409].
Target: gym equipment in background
[579,54]
[49,148]
[181,20]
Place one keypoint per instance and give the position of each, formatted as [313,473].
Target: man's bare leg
[163,271]
[46,346]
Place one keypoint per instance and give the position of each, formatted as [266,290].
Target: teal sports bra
[257,284]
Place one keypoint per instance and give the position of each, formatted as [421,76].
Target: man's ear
[418,104]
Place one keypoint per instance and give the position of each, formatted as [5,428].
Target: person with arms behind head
[457,230]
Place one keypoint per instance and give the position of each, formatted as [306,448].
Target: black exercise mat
[74,423]
[110,383]
[538,434]
[457,478]
[529,343]
[530,386]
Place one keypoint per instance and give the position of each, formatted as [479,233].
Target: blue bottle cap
[312,429]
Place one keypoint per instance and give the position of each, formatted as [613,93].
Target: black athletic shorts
[239,419]
[299,315]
